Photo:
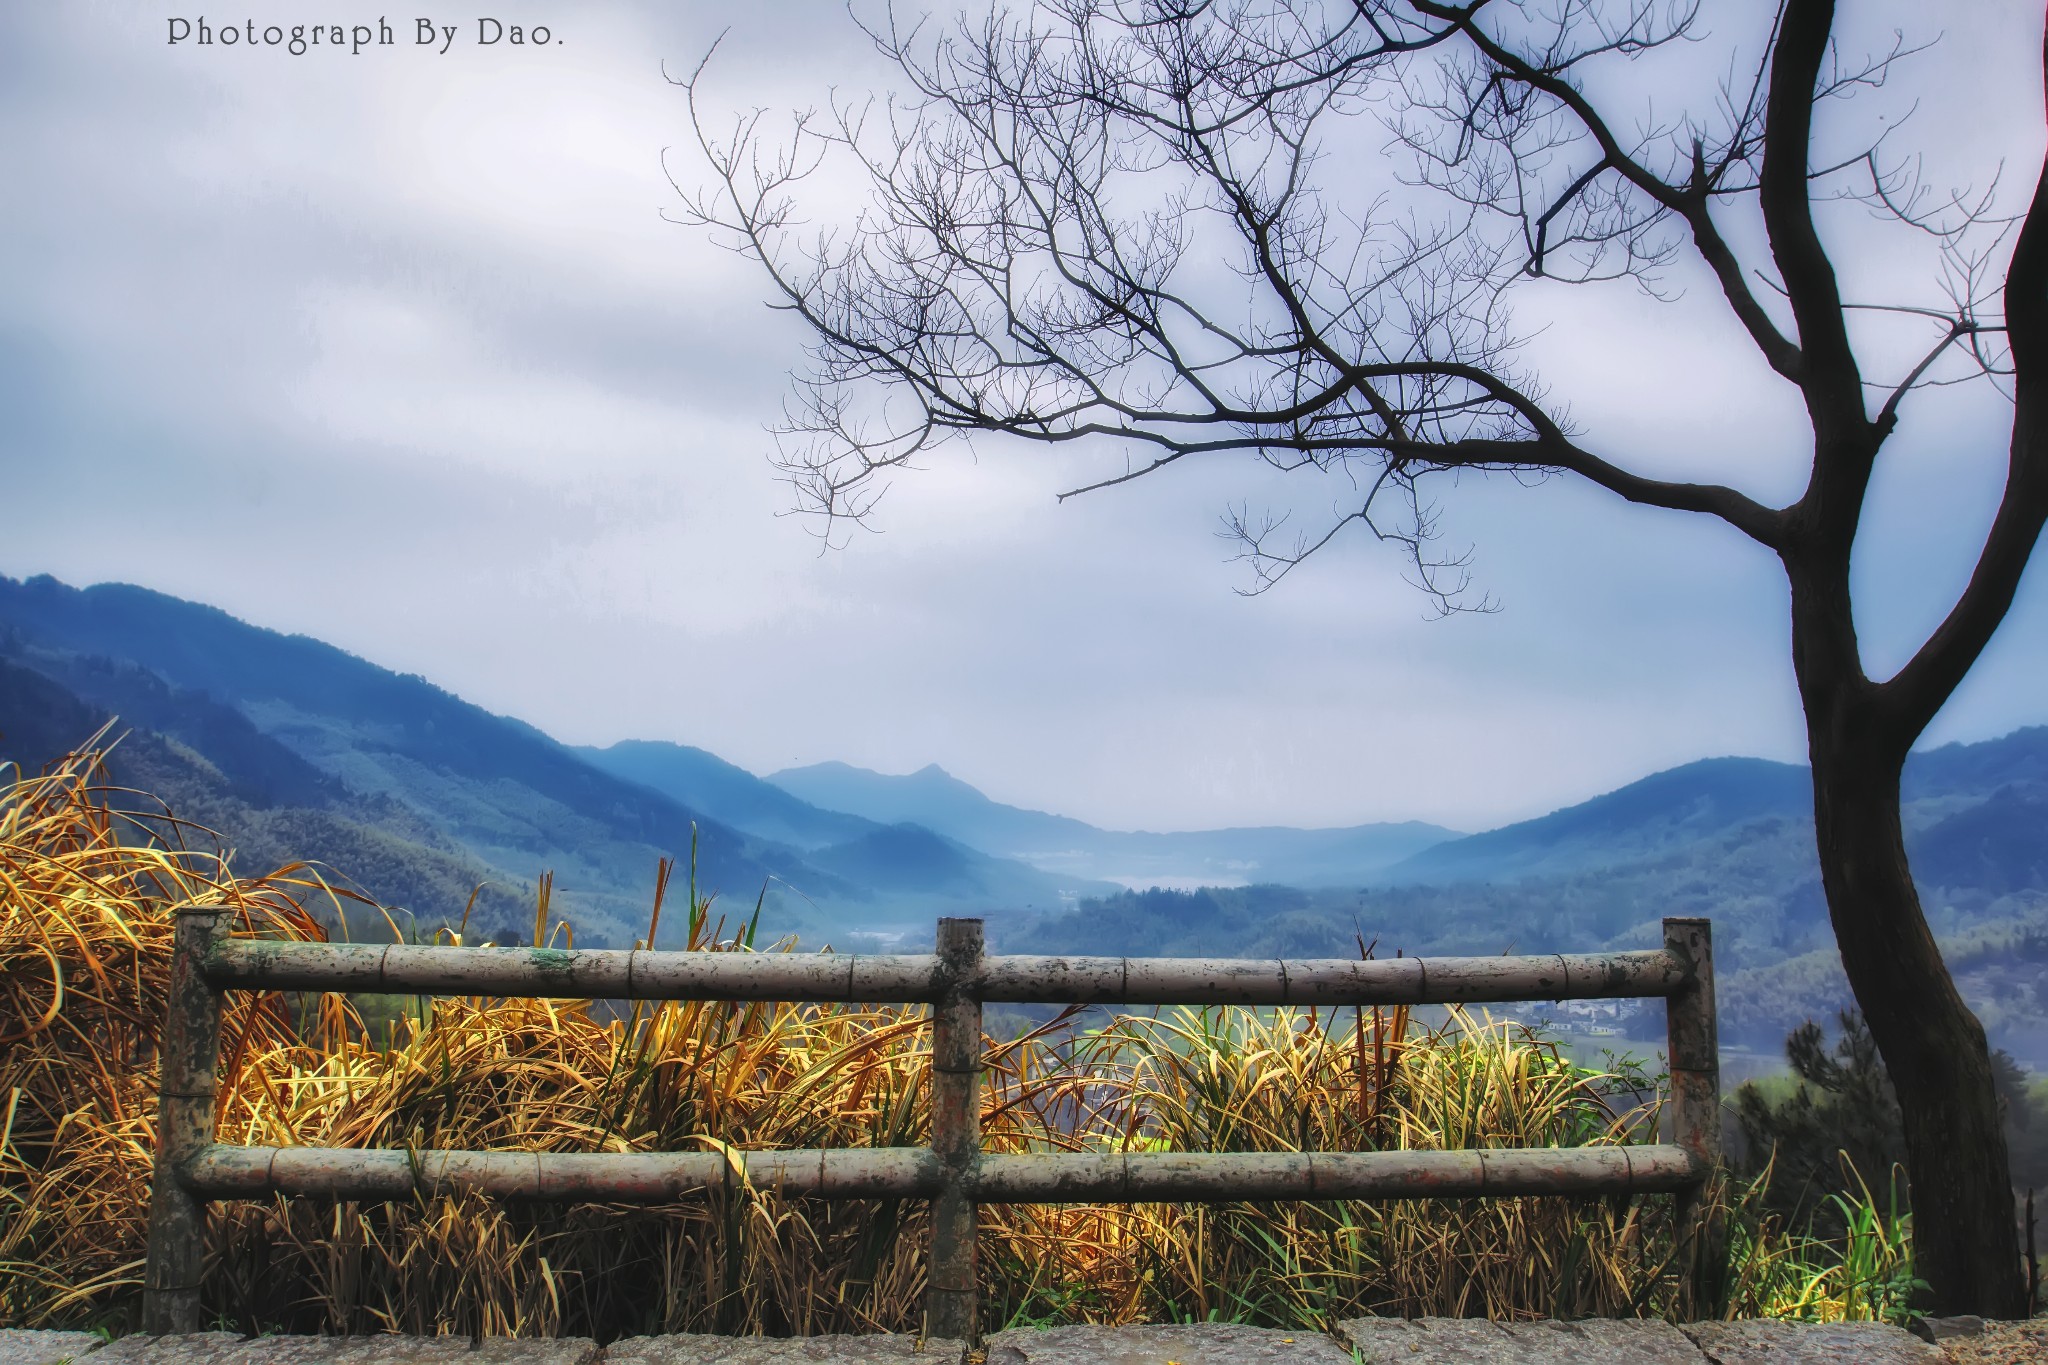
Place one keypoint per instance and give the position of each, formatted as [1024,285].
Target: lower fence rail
[953,1172]
[231,1172]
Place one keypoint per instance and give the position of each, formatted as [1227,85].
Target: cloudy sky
[397,350]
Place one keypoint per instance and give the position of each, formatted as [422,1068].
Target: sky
[404,350]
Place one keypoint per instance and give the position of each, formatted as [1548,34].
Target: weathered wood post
[1693,1045]
[951,1298]
[190,1053]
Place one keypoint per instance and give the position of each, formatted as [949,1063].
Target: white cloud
[397,350]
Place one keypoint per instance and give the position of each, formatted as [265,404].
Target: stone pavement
[1358,1341]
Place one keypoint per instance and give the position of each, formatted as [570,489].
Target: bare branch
[1828,378]
[1930,678]
[1112,225]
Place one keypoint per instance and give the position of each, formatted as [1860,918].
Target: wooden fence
[953,1172]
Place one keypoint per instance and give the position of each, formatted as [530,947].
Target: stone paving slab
[2001,1343]
[227,1348]
[847,1350]
[1427,1341]
[1798,1343]
[1378,1341]
[21,1347]
[1202,1344]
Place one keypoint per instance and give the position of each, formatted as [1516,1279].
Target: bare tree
[1139,223]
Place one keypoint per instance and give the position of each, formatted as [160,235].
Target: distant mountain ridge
[697,777]
[939,801]
[266,803]
[934,798]
[902,855]
[500,793]
[1956,797]
[1676,806]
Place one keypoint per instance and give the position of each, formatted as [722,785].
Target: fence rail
[953,1172]
[610,974]
[225,1172]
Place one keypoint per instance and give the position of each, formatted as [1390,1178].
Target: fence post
[951,1298]
[190,1052]
[1693,1045]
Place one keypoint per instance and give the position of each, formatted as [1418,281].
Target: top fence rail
[612,974]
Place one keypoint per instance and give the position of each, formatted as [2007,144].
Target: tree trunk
[1964,1235]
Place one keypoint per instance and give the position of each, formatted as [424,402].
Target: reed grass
[1864,1275]
[86,897]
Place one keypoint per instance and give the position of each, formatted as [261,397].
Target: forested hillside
[1977,835]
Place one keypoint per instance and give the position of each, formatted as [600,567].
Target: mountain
[1660,812]
[267,805]
[1729,839]
[901,859]
[294,727]
[1985,797]
[703,780]
[939,801]
[512,800]
[1979,801]
[2018,760]
[1063,846]
[1996,846]
[911,858]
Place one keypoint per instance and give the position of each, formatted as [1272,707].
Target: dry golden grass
[86,896]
